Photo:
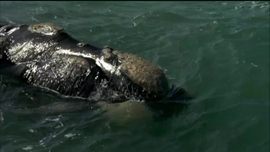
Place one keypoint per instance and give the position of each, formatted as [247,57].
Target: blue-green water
[219,50]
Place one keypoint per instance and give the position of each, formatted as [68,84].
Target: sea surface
[218,50]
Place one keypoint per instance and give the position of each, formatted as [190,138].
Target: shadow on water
[28,99]
[163,111]
[31,100]
[172,105]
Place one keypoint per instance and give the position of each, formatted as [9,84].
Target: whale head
[133,74]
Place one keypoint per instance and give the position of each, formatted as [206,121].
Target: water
[218,50]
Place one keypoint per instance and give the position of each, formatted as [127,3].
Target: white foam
[28,148]
[69,135]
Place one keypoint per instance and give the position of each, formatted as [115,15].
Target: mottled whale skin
[45,55]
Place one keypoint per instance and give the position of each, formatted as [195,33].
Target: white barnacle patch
[96,77]
[45,29]
[113,69]
[69,52]
[46,66]
[80,44]
[4,32]
[88,72]
[12,30]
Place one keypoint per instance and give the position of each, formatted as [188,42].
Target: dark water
[219,50]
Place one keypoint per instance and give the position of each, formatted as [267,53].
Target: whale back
[49,57]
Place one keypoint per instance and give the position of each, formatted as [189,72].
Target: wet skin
[45,55]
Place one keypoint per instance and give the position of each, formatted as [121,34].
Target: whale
[46,56]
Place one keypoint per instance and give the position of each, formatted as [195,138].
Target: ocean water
[218,50]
